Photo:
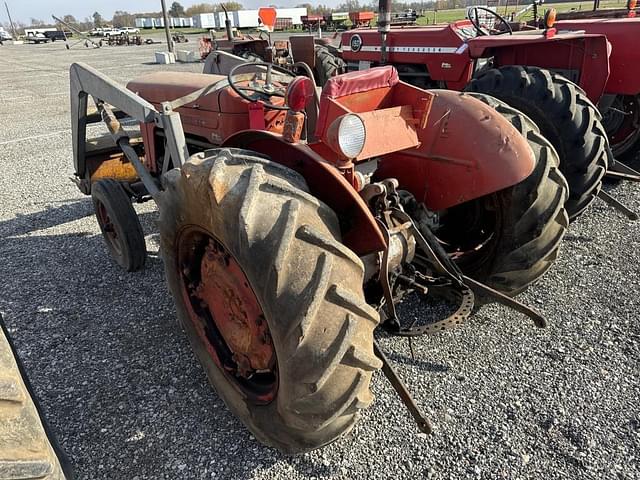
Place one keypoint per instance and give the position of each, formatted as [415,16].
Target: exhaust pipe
[227,23]
[384,26]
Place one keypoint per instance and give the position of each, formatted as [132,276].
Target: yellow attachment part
[115,167]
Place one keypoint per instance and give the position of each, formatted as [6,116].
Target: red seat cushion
[350,84]
[360,81]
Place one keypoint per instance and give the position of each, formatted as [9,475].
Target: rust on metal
[116,167]
[225,290]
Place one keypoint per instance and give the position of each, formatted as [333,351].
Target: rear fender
[360,232]
[467,151]
[586,55]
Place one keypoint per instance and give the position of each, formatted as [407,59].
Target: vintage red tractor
[291,224]
[547,75]
[320,59]
[620,102]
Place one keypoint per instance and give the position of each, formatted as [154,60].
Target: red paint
[454,48]
[622,34]
[468,150]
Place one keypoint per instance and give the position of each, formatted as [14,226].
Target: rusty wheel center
[107,227]
[227,315]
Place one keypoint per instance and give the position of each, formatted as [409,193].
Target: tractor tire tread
[536,218]
[328,65]
[566,117]
[288,244]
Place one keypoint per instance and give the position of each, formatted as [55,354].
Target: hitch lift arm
[106,93]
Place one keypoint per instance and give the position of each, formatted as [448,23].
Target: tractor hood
[214,116]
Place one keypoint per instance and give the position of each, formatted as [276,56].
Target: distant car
[57,35]
[4,35]
[130,30]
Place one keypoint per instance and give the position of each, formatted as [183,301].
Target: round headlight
[351,135]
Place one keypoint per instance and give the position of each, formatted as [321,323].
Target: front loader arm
[85,81]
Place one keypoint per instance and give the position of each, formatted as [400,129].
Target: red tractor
[547,75]
[317,54]
[292,223]
[620,101]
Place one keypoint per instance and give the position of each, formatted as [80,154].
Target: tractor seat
[158,87]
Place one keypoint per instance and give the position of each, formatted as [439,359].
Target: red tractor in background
[295,54]
[547,75]
[620,102]
[292,223]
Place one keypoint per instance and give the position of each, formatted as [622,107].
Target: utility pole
[166,26]
[13,28]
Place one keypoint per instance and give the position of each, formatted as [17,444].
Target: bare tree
[98,21]
[199,8]
[123,19]
[176,10]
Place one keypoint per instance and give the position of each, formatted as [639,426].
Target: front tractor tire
[565,116]
[119,224]
[271,300]
[510,238]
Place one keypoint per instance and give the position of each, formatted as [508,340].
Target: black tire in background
[119,224]
[308,284]
[520,228]
[565,116]
[327,65]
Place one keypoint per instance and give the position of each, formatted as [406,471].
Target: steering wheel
[267,88]
[475,21]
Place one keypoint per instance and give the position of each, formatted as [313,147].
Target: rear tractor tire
[565,116]
[119,224]
[328,65]
[270,299]
[510,238]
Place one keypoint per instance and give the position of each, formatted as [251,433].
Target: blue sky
[43,9]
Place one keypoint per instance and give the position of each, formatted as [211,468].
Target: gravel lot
[120,386]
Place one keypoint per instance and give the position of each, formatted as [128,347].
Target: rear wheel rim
[108,228]
[622,123]
[471,236]
[226,314]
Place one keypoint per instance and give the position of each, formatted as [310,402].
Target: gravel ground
[120,386]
